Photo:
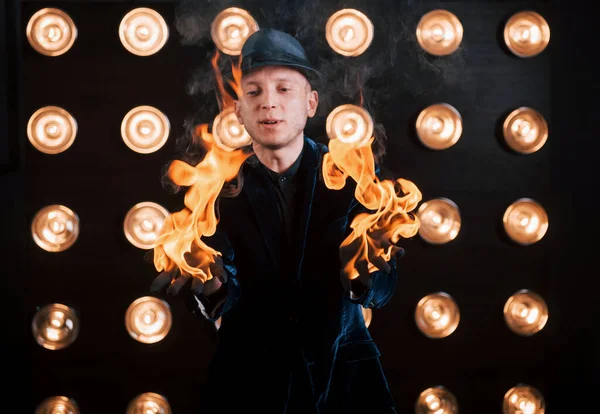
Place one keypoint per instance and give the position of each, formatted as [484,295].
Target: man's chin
[275,146]
[272,144]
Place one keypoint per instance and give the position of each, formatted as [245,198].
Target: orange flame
[180,244]
[375,235]
[226,99]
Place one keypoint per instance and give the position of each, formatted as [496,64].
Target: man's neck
[279,160]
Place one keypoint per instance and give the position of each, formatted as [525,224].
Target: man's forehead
[273,73]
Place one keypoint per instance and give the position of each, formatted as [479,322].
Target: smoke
[193,19]
[393,68]
[421,73]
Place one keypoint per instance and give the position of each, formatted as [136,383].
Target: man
[292,337]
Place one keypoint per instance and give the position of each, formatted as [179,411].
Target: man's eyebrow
[280,79]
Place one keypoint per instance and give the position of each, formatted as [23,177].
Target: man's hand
[365,267]
[356,263]
[174,282]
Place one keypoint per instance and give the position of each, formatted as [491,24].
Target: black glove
[174,282]
[364,281]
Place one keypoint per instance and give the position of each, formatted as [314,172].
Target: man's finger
[161,281]
[381,264]
[197,286]
[362,267]
[176,286]
[218,271]
[365,280]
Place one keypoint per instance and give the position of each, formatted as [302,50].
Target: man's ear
[312,103]
[238,112]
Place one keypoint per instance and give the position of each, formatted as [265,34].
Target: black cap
[271,47]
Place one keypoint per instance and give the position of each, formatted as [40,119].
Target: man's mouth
[270,124]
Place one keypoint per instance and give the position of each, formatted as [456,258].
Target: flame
[373,239]
[375,235]
[180,245]
[226,100]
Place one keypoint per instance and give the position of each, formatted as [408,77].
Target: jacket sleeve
[376,289]
[217,304]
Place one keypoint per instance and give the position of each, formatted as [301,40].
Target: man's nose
[269,100]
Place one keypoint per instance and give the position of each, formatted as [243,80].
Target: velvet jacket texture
[288,314]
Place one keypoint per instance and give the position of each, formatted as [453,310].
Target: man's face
[275,104]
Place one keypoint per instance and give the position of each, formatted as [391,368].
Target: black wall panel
[100,178]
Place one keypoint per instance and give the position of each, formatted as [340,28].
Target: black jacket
[273,310]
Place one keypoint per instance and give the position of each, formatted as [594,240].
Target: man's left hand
[365,267]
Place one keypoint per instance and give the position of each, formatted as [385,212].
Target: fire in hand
[180,245]
[375,236]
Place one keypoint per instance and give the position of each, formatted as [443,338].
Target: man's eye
[284,89]
[252,93]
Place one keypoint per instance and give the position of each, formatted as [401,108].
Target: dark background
[100,178]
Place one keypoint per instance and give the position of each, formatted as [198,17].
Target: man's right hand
[174,282]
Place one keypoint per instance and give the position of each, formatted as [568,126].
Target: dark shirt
[298,383]
[285,185]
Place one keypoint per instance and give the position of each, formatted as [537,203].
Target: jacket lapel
[308,172]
